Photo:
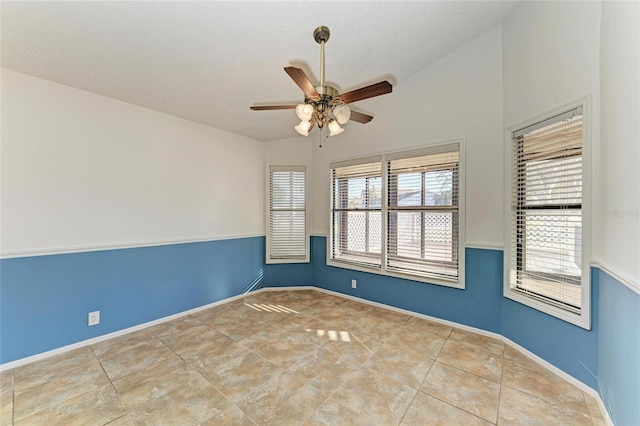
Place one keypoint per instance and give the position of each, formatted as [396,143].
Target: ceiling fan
[323,104]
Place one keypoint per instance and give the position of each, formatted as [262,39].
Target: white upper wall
[458,97]
[82,171]
[550,57]
[619,217]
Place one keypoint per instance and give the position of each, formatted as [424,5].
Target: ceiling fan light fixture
[342,113]
[303,128]
[304,112]
[334,128]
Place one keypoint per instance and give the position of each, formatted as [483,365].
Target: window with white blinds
[422,216]
[400,213]
[287,236]
[356,213]
[546,249]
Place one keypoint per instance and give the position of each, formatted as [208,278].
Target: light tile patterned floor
[293,357]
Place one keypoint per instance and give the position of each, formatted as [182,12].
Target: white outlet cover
[354,283]
[94,318]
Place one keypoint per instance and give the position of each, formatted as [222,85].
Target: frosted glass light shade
[304,112]
[303,128]
[342,113]
[334,128]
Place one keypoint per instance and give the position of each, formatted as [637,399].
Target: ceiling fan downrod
[321,36]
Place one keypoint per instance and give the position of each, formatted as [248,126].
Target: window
[423,213]
[547,266]
[356,223]
[287,236]
[399,214]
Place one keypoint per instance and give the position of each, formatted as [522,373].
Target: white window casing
[547,239]
[401,214]
[287,239]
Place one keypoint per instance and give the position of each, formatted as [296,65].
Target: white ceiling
[209,61]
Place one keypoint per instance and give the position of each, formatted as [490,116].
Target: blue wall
[619,350]
[44,300]
[570,348]
[476,306]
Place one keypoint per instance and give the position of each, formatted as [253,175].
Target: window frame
[583,318]
[281,260]
[384,157]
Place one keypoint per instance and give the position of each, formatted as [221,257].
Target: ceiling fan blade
[272,107]
[359,117]
[303,82]
[371,91]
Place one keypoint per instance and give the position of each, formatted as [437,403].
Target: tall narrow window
[423,212]
[287,236]
[356,214]
[546,262]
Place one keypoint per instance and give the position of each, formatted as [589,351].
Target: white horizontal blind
[287,214]
[356,212]
[546,228]
[423,212]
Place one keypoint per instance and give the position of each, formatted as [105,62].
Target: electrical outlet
[94,318]
[354,284]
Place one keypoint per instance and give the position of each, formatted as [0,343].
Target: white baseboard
[580,385]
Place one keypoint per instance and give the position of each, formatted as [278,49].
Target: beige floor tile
[426,343]
[95,407]
[58,387]
[537,380]
[122,363]
[478,341]
[287,350]
[190,337]
[285,399]
[293,357]
[170,396]
[375,328]
[593,406]
[431,327]
[37,373]
[358,348]
[467,358]
[333,414]
[241,374]
[379,398]
[220,317]
[324,370]
[520,408]
[427,410]
[464,390]
[406,365]
[155,373]
[176,326]
[269,312]
[121,343]
[211,354]
[266,334]
[239,330]
[231,416]
[390,316]
[6,397]
[125,420]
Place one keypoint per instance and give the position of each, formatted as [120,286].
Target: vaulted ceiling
[209,61]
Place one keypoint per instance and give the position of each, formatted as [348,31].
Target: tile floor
[293,357]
